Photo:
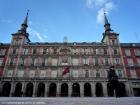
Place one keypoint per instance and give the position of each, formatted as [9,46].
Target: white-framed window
[15,51]
[25,51]
[31,73]
[12,61]
[75,73]
[97,51]
[17,42]
[133,73]
[53,73]
[54,51]
[54,61]
[75,61]
[115,51]
[106,61]
[1,61]
[34,50]
[97,73]
[113,42]
[20,73]
[127,52]
[86,73]
[138,61]
[94,51]
[9,73]
[32,61]
[21,61]
[117,60]
[75,51]
[2,51]
[45,51]
[85,60]
[42,73]
[137,51]
[120,73]
[105,51]
[130,62]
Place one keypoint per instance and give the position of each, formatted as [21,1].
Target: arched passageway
[18,88]
[87,90]
[75,90]
[121,90]
[6,89]
[29,90]
[64,90]
[99,90]
[136,92]
[52,90]
[41,90]
[110,91]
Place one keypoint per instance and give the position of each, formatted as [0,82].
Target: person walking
[113,81]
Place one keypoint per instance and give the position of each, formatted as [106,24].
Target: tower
[21,37]
[111,39]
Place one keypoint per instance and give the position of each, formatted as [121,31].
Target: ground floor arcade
[63,89]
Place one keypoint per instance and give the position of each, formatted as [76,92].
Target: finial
[107,24]
[24,25]
[27,12]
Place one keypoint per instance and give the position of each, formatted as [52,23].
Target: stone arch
[41,90]
[18,92]
[6,89]
[76,90]
[87,90]
[29,90]
[99,90]
[64,90]
[52,90]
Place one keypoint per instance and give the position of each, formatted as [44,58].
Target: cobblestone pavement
[70,101]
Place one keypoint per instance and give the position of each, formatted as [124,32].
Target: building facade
[131,58]
[68,69]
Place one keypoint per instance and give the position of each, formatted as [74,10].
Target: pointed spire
[107,24]
[24,25]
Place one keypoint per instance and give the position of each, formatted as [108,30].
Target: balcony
[132,65]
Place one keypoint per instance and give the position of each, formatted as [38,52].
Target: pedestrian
[113,81]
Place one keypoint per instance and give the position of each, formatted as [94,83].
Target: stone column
[12,89]
[129,90]
[23,89]
[58,90]
[105,89]
[34,89]
[70,89]
[93,89]
[46,89]
[81,90]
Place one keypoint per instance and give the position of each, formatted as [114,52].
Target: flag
[66,70]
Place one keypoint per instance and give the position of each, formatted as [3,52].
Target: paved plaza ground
[70,101]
